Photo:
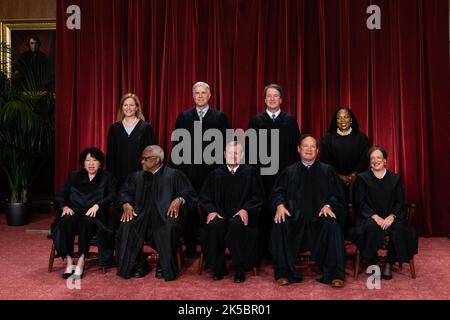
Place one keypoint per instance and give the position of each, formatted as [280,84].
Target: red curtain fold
[395,79]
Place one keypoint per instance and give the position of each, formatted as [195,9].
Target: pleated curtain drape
[395,79]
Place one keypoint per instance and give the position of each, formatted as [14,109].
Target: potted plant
[26,134]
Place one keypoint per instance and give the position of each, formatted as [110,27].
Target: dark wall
[21,10]
[27,9]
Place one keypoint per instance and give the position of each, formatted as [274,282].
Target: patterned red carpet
[24,253]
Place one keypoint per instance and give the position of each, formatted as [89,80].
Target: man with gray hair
[151,200]
[209,118]
[231,198]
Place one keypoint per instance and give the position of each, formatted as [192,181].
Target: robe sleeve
[363,162]
[179,123]
[336,197]
[326,154]
[279,190]
[294,156]
[62,197]
[110,149]
[399,205]
[149,136]
[206,196]
[184,189]
[257,198]
[363,208]
[110,194]
[127,191]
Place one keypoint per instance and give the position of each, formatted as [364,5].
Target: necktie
[273,117]
[232,171]
[200,115]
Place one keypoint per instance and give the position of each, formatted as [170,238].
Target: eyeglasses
[148,158]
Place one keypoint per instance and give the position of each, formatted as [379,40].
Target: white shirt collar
[384,173]
[235,169]
[307,165]
[205,110]
[271,113]
[154,172]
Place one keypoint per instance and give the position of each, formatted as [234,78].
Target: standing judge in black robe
[127,138]
[210,119]
[381,208]
[273,118]
[231,198]
[151,200]
[309,204]
[82,207]
[345,147]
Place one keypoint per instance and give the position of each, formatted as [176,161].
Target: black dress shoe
[386,274]
[159,272]
[239,277]
[141,272]
[217,276]
[67,275]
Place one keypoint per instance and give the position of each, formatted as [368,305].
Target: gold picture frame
[14,32]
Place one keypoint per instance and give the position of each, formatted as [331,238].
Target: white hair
[157,151]
[201,84]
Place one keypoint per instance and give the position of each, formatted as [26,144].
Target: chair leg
[179,262]
[357,264]
[51,260]
[412,268]
[201,263]
[104,270]
[255,272]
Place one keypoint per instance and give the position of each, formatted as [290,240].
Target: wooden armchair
[202,262]
[410,209]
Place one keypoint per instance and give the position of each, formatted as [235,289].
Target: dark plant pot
[17,213]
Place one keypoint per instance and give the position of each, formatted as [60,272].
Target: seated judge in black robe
[151,200]
[209,118]
[309,204]
[82,207]
[381,208]
[231,197]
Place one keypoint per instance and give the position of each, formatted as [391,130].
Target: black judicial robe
[384,197]
[304,192]
[213,119]
[150,196]
[123,154]
[80,194]
[226,194]
[289,134]
[345,153]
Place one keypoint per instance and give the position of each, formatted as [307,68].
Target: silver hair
[201,84]
[157,151]
[234,143]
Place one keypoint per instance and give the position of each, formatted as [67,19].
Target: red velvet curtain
[395,79]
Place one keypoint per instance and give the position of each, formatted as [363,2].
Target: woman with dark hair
[127,138]
[345,147]
[82,207]
[381,208]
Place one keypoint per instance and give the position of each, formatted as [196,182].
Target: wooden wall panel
[27,9]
